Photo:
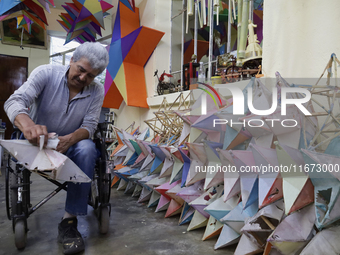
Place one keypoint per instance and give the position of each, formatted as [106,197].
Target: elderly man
[65,100]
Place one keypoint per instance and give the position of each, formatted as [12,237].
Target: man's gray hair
[95,53]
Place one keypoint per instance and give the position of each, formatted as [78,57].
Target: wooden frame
[11,35]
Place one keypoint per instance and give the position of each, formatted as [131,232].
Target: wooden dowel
[272,227]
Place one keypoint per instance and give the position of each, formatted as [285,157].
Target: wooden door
[13,73]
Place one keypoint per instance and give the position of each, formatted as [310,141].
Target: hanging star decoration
[84,19]
[131,47]
[26,12]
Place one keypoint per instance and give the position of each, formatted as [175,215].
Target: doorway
[13,73]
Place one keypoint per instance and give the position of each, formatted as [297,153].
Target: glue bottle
[201,74]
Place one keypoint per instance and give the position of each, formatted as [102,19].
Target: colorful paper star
[130,49]
[30,9]
[83,19]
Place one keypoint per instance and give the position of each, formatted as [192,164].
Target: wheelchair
[17,185]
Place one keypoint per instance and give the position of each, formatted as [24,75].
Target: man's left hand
[64,143]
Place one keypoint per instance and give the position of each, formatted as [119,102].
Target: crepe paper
[131,47]
[125,172]
[84,19]
[147,164]
[187,214]
[288,136]
[32,11]
[198,159]
[35,159]
[138,176]
[135,146]
[215,176]
[294,231]
[122,184]
[137,191]
[261,225]
[23,21]
[249,180]
[144,195]
[7,5]
[139,161]
[270,183]
[144,147]
[246,246]
[178,166]
[294,181]
[150,181]
[234,138]
[189,194]
[227,237]
[130,187]
[232,184]
[172,192]
[155,181]
[324,242]
[162,189]
[167,167]
[131,160]
[198,221]
[173,209]
[163,204]
[207,198]
[185,133]
[115,180]
[218,209]
[236,217]
[214,228]
[226,113]
[121,152]
[327,189]
[154,199]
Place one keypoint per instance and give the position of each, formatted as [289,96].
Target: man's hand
[64,143]
[33,133]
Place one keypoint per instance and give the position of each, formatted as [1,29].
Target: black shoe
[69,236]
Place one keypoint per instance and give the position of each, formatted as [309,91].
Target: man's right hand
[31,131]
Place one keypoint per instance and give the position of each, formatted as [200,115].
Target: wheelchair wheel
[104,220]
[94,197]
[11,189]
[20,234]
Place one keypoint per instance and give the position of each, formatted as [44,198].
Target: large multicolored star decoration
[129,3]
[84,19]
[131,47]
[26,12]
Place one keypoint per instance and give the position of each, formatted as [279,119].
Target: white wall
[299,36]
[36,57]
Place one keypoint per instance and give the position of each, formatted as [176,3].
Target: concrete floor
[134,228]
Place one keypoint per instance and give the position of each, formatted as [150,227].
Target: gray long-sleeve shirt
[45,98]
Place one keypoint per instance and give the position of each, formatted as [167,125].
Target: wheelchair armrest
[17,134]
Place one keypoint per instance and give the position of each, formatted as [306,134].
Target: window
[57,46]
